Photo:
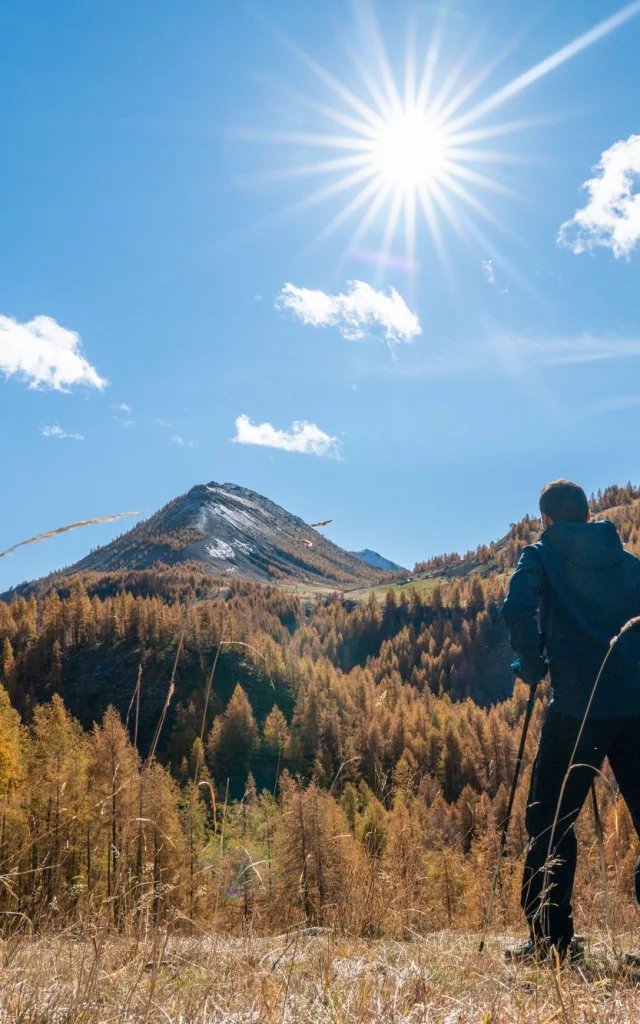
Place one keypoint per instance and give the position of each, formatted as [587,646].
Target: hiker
[582,586]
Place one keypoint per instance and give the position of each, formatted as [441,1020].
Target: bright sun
[409,151]
[396,149]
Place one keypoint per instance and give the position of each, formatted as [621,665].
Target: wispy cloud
[125,409]
[177,439]
[562,351]
[359,311]
[45,355]
[61,434]
[616,403]
[302,437]
[611,217]
[518,354]
[488,271]
[163,423]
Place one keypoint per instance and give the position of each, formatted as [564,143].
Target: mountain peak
[230,531]
[378,561]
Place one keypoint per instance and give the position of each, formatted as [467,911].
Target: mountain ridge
[226,531]
[378,561]
[181,535]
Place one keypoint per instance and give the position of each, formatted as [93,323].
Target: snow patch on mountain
[239,518]
[233,497]
[220,549]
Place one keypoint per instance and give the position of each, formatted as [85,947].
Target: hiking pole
[601,852]
[507,817]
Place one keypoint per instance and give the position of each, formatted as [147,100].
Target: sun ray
[490,156]
[443,201]
[370,214]
[337,116]
[372,29]
[410,64]
[431,217]
[366,193]
[384,107]
[321,194]
[377,202]
[395,209]
[410,228]
[470,199]
[285,137]
[334,84]
[494,131]
[550,63]
[472,202]
[474,83]
[305,170]
[451,81]
[428,74]
[458,170]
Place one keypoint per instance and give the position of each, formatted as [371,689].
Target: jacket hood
[589,545]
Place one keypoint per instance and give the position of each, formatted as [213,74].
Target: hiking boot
[631,961]
[537,951]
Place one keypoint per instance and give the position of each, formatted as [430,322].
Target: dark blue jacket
[585,587]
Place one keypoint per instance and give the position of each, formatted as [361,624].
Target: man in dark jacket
[581,586]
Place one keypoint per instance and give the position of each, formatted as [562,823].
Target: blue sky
[141,208]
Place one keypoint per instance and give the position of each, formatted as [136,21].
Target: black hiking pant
[546,893]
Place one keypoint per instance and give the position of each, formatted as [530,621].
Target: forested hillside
[616,503]
[312,663]
[160,734]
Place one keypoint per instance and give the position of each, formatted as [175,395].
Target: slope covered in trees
[181,747]
[616,503]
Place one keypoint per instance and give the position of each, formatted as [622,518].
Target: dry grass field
[308,977]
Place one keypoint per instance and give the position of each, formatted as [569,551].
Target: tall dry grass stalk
[65,529]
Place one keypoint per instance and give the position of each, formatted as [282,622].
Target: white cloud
[163,423]
[488,271]
[45,355]
[127,422]
[60,433]
[302,437]
[359,311]
[612,215]
[177,439]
